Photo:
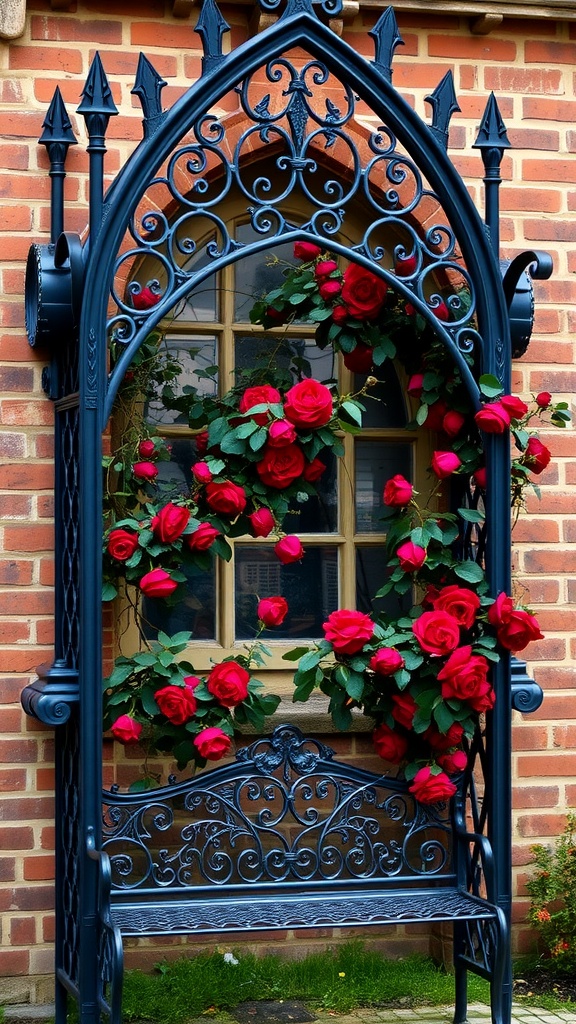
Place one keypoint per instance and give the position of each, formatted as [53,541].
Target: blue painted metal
[400,166]
[57,136]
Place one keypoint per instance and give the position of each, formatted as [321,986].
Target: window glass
[195,613]
[376,462]
[193,352]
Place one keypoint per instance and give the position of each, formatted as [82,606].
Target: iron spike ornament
[386,38]
[492,140]
[148,87]
[96,98]
[57,136]
[211,27]
[444,103]
[492,132]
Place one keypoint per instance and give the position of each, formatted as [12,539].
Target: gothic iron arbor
[75,303]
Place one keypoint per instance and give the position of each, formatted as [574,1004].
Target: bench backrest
[285,812]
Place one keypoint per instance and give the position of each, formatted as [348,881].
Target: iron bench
[286,838]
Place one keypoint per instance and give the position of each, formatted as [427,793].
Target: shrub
[552,891]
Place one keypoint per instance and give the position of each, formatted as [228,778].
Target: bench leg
[461,995]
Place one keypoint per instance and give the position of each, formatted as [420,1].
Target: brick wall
[529,64]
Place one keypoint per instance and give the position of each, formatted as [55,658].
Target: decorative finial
[97,94]
[492,131]
[57,125]
[386,37]
[444,103]
[148,87]
[57,137]
[211,26]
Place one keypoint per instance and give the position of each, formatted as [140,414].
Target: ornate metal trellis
[320,147]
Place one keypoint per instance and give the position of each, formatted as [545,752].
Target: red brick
[523,80]
[39,869]
[549,169]
[47,838]
[124,62]
[550,561]
[16,659]
[40,897]
[545,52]
[28,538]
[529,737]
[15,506]
[155,8]
[532,825]
[539,591]
[18,751]
[535,796]
[545,650]
[44,446]
[47,572]
[27,477]
[558,381]
[45,58]
[551,351]
[534,138]
[564,736]
[49,928]
[62,29]
[44,779]
[14,158]
[169,36]
[16,218]
[22,931]
[14,962]
[16,572]
[557,677]
[15,411]
[561,231]
[557,619]
[540,530]
[539,200]
[32,186]
[472,48]
[27,808]
[20,838]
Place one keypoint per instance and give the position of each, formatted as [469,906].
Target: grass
[342,979]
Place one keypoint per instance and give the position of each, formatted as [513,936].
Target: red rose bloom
[228,683]
[176,703]
[386,661]
[122,544]
[289,549]
[308,404]
[459,602]
[435,417]
[464,676]
[146,449]
[281,433]
[126,729]
[202,538]
[280,467]
[411,556]
[441,311]
[536,455]
[226,498]
[272,610]
[360,359]
[445,463]
[201,472]
[454,762]
[514,406]
[212,744]
[170,523]
[330,289]
[348,630]
[262,522]
[340,314]
[480,477]
[515,628]
[404,709]
[543,400]
[145,470]
[306,251]
[201,442]
[397,491]
[415,385]
[313,471]
[324,269]
[157,583]
[443,741]
[145,298]
[453,422]
[363,293]
[265,394]
[431,789]
[405,266]
[492,418]
[389,745]
[438,633]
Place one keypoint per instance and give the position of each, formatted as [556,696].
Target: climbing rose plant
[422,676]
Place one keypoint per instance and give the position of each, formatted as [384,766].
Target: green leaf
[109,592]
[490,386]
[233,445]
[422,415]
[341,716]
[469,571]
[310,660]
[258,440]
[352,410]
[141,785]
[355,686]
[245,429]
[148,703]
[303,690]
[443,718]
[297,298]
[295,654]
[471,515]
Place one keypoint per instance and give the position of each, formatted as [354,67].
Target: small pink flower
[201,473]
[411,556]
[289,549]
[445,463]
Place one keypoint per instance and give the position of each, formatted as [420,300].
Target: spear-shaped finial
[211,26]
[148,87]
[444,103]
[97,107]
[386,38]
[57,137]
[492,140]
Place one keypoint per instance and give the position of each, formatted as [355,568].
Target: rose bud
[492,418]
[201,473]
[324,269]
[281,433]
[330,289]
[212,744]
[361,358]
[409,309]
[435,417]
[158,583]
[272,611]
[411,556]
[453,422]
[514,406]
[306,251]
[201,442]
[480,477]
[397,491]
[145,298]
[389,745]
[405,266]
[262,522]
[543,400]
[386,661]
[278,315]
[536,455]
[453,763]
[445,463]
[289,549]
[340,314]
[415,385]
[404,709]
[145,470]
[146,449]
[122,544]
[441,311]
[126,729]
[313,471]
[202,538]
[431,789]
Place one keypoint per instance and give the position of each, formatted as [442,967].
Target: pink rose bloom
[262,522]
[281,433]
[348,630]
[212,744]
[146,449]
[386,661]
[289,549]
[411,556]
[444,464]
[126,729]
[453,422]
[201,473]
[272,610]
[145,470]
[492,418]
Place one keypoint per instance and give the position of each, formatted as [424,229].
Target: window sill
[312,718]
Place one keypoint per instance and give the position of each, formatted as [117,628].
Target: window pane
[320,513]
[385,401]
[371,575]
[254,350]
[201,306]
[376,462]
[196,352]
[175,477]
[195,612]
[310,588]
[255,275]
